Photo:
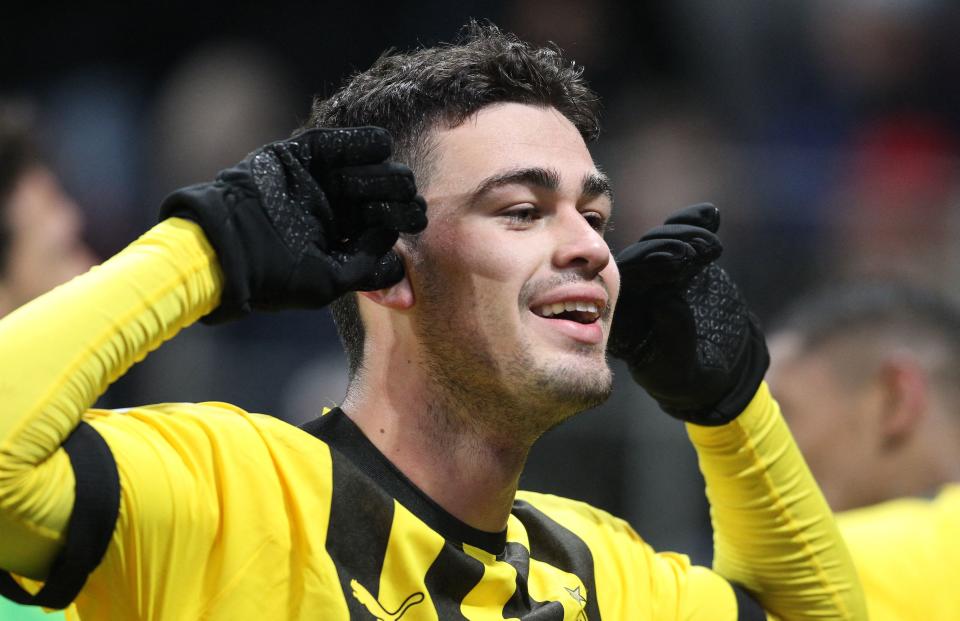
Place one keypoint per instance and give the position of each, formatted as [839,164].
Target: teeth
[548,310]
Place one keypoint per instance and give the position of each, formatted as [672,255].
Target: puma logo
[376,608]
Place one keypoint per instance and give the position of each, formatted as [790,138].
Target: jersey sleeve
[208,497]
[59,353]
[773,531]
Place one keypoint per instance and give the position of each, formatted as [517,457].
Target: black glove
[682,325]
[302,221]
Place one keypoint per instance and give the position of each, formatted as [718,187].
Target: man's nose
[579,244]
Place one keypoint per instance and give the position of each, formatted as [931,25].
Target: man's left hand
[682,325]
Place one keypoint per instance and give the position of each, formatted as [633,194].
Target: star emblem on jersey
[577,595]
[375,608]
[581,599]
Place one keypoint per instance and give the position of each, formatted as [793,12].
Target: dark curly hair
[411,93]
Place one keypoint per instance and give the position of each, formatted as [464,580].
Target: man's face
[46,248]
[832,419]
[513,281]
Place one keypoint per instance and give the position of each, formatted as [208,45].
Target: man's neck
[471,472]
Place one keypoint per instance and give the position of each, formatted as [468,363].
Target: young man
[468,339]
[867,375]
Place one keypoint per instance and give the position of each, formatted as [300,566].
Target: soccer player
[868,378]
[468,337]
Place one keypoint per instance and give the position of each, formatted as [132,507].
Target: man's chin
[578,387]
[541,396]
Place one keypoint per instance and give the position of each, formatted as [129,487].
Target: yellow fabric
[216,523]
[771,522]
[225,514]
[61,351]
[631,578]
[907,553]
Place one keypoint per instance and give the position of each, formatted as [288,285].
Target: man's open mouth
[578,311]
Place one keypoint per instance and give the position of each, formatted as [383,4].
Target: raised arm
[689,339]
[296,224]
[61,351]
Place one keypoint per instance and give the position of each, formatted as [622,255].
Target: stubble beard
[505,397]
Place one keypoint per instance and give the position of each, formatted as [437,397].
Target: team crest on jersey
[375,608]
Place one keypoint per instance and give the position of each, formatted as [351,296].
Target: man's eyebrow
[545,178]
[597,184]
[594,183]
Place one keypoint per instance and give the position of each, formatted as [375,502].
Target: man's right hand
[302,221]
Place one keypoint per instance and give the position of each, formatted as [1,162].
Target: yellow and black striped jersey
[231,515]
[204,511]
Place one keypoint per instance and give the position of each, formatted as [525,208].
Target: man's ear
[906,389]
[396,297]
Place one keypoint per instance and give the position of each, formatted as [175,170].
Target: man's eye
[596,220]
[522,215]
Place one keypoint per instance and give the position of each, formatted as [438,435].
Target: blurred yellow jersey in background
[907,552]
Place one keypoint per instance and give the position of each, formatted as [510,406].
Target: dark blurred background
[826,131]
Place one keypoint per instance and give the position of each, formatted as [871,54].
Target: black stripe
[747,608]
[337,430]
[452,575]
[361,515]
[91,524]
[521,605]
[555,545]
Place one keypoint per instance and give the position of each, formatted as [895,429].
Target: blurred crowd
[825,130]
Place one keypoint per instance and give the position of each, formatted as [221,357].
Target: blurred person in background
[40,225]
[868,378]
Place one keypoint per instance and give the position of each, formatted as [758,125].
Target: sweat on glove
[302,221]
[682,325]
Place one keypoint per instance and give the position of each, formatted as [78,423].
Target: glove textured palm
[682,325]
[300,222]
